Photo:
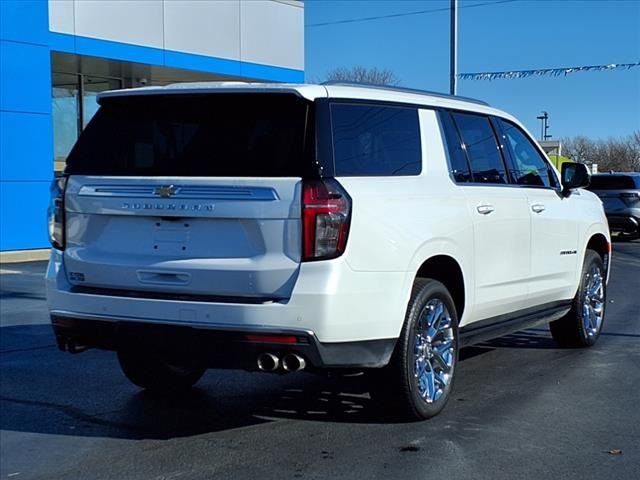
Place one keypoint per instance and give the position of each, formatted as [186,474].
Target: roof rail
[344,83]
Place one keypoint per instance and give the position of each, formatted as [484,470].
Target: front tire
[581,327]
[417,382]
[155,373]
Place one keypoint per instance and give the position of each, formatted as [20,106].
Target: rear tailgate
[212,237]
[190,195]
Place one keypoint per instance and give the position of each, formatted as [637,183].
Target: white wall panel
[207,28]
[266,32]
[61,16]
[138,22]
[272,33]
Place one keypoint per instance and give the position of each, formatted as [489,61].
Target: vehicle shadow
[531,338]
[47,391]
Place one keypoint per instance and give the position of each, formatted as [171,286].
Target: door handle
[538,207]
[485,209]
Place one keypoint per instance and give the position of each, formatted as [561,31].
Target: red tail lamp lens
[326,215]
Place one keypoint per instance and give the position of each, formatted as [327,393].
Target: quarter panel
[394,216]
[400,222]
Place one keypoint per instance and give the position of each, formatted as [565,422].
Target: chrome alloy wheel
[434,353]
[593,301]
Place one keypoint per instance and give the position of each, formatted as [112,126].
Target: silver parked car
[620,194]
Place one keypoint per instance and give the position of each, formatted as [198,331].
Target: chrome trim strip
[185,192]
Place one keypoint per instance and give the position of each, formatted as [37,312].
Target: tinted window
[457,158]
[614,182]
[374,140]
[195,135]
[481,147]
[529,167]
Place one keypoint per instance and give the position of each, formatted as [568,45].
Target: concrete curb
[17,256]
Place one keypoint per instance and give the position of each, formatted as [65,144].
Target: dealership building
[57,55]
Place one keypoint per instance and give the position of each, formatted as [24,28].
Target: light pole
[453,61]
[544,126]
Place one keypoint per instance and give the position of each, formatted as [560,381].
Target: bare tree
[579,149]
[618,154]
[634,140]
[361,74]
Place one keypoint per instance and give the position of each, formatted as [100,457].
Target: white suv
[320,227]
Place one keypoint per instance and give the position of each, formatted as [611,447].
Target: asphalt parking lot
[522,409]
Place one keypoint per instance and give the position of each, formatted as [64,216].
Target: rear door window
[479,141]
[374,140]
[460,169]
[214,135]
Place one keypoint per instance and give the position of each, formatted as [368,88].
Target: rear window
[370,140]
[614,182]
[240,135]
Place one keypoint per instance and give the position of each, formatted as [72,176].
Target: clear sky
[518,35]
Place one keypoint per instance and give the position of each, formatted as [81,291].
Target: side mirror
[574,175]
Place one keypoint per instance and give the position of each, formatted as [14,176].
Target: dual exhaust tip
[291,362]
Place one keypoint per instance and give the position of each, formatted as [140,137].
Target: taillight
[55,213]
[326,214]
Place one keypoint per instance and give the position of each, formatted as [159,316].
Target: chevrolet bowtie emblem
[166,191]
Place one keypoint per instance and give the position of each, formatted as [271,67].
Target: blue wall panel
[118,51]
[190,61]
[274,74]
[61,42]
[26,145]
[23,219]
[26,153]
[24,21]
[26,77]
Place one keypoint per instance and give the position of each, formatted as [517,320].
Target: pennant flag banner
[554,72]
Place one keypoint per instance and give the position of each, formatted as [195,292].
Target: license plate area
[171,237]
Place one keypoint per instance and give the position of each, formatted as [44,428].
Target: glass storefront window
[65,111]
[69,115]
[93,86]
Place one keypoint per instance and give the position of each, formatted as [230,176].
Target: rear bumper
[341,318]
[215,347]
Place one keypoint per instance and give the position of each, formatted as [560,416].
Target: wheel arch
[448,271]
[600,244]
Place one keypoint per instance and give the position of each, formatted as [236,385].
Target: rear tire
[418,380]
[154,373]
[581,327]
